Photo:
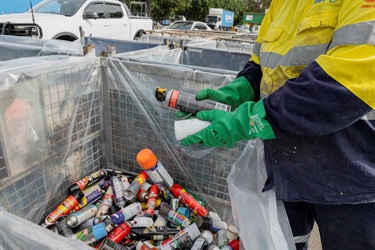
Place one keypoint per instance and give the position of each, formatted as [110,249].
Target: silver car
[188,25]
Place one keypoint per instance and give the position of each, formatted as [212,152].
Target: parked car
[70,19]
[237,27]
[255,29]
[242,28]
[188,25]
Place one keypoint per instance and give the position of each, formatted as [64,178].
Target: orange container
[155,170]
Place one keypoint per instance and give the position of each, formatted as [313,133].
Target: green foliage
[166,8]
[258,6]
[239,7]
[198,9]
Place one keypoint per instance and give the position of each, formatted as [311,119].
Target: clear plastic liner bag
[259,217]
[18,233]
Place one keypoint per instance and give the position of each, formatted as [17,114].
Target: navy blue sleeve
[253,74]
[313,104]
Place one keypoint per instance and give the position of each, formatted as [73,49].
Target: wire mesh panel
[51,130]
[120,46]
[13,47]
[170,41]
[205,58]
[215,58]
[137,120]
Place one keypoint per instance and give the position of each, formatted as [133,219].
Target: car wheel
[139,35]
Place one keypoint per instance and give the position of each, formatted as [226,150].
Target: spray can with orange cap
[155,170]
[186,102]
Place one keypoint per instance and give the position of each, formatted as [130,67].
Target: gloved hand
[227,128]
[235,93]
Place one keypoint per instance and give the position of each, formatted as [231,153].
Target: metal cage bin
[63,117]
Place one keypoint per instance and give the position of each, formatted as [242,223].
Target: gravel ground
[314,242]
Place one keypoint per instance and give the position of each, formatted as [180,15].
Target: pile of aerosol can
[110,210]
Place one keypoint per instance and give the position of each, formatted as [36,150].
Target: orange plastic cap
[146,158]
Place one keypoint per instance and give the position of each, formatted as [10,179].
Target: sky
[16,6]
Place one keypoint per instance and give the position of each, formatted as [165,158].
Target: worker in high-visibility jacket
[309,92]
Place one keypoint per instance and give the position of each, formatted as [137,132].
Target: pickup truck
[72,19]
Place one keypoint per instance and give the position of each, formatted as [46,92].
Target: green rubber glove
[235,93]
[227,128]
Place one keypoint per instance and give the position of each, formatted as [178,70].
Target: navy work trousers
[340,226]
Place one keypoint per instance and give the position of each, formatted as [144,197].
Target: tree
[198,9]
[239,7]
[167,8]
[149,3]
[258,6]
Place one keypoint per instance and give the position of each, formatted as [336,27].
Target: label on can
[82,215]
[63,209]
[125,182]
[82,183]
[160,176]
[131,210]
[178,240]
[97,174]
[85,235]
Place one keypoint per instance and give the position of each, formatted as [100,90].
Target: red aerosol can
[64,208]
[151,202]
[186,198]
[82,183]
[120,232]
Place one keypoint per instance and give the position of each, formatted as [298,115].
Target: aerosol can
[186,102]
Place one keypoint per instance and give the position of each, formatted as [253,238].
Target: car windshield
[211,18]
[181,25]
[62,7]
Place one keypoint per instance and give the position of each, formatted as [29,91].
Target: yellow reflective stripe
[298,56]
[359,33]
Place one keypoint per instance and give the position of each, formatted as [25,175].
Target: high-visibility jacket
[314,61]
